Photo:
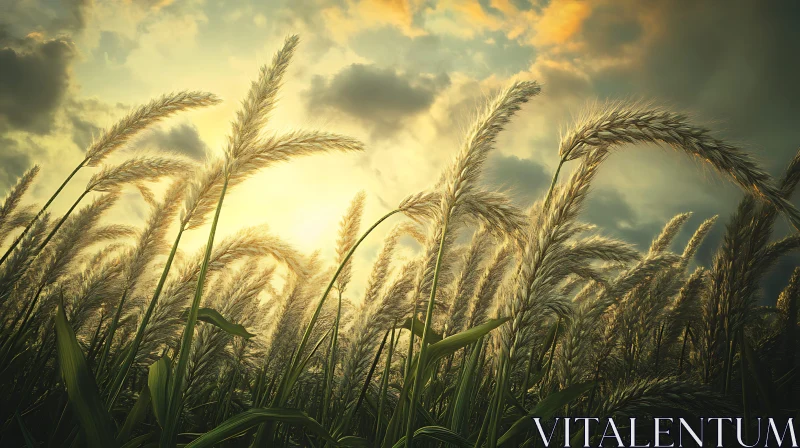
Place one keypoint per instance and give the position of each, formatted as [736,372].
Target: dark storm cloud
[13,163]
[34,78]
[182,138]
[51,17]
[379,97]
[736,65]
[524,179]
[609,28]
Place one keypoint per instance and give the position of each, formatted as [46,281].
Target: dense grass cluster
[112,336]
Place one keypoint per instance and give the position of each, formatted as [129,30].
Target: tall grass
[112,336]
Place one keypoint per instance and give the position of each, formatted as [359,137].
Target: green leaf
[248,419]
[136,416]
[545,409]
[354,442]
[418,329]
[437,433]
[29,442]
[463,395]
[158,379]
[136,442]
[456,342]
[84,396]
[213,317]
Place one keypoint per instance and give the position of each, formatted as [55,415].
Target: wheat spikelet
[260,101]
[422,205]
[467,281]
[661,393]
[291,314]
[572,357]
[541,268]
[348,234]
[204,191]
[151,239]
[96,284]
[142,117]
[619,123]
[371,323]
[247,243]
[788,297]
[463,174]
[75,236]
[20,217]
[669,232]
[21,259]
[380,269]
[697,238]
[489,283]
[496,212]
[137,169]
[686,305]
[13,198]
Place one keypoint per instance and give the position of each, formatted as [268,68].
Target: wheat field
[112,337]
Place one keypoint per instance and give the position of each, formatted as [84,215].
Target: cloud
[51,18]
[13,163]
[560,21]
[113,47]
[182,138]
[34,78]
[378,97]
[525,179]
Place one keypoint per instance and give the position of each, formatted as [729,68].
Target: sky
[406,77]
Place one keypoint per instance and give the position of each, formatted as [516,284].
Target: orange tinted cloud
[361,14]
[560,21]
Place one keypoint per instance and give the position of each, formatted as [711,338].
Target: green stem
[331,367]
[418,382]
[111,330]
[384,385]
[683,350]
[130,357]
[553,184]
[497,412]
[170,434]
[13,339]
[315,316]
[745,403]
[266,431]
[60,222]
[41,212]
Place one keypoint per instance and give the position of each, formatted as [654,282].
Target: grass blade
[81,387]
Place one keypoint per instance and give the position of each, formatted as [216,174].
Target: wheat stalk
[619,123]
